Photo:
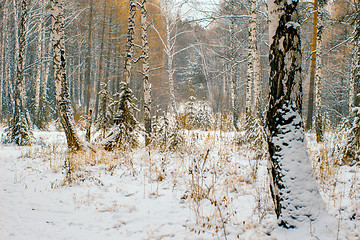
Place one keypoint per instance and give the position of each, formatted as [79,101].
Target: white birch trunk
[254,56]
[318,74]
[232,63]
[170,58]
[39,67]
[130,43]
[145,72]
[61,90]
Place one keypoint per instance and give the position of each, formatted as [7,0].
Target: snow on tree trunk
[292,182]
[312,69]
[125,129]
[352,148]
[145,72]
[20,131]
[319,111]
[61,89]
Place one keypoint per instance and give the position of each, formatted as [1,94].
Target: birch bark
[295,194]
[61,89]
[145,72]
[318,75]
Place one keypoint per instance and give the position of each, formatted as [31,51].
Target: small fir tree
[125,132]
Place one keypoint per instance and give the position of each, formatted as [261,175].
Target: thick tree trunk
[145,72]
[312,69]
[61,89]
[318,104]
[20,132]
[297,200]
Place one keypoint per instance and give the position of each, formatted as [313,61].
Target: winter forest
[179,119]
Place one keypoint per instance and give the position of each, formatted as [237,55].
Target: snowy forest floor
[211,188]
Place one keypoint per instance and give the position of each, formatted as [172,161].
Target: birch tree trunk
[4,45]
[39,67]
[352,148]
[295,194]
[124,120]
[312,69]
[254,58]
[145,72]
[20,131]
[318,104]
[232,75]
[61,89]
[101,61]
[129,43]
[89,59]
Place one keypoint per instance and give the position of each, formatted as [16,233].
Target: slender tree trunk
[4,46]
[170,61]
[318,104]
[145,72]
[101,61]
[89,59]
[295,194]
[38,73]
[61,89]
[233,81]
[312,69]
[130,43]
[254,56]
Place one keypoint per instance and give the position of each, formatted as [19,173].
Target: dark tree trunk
[295,193]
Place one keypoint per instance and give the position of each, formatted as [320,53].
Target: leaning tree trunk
[312,69]
[295,194]
[64,109]
[145,72]
[318,104]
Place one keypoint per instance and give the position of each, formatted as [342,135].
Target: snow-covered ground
[208,189]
